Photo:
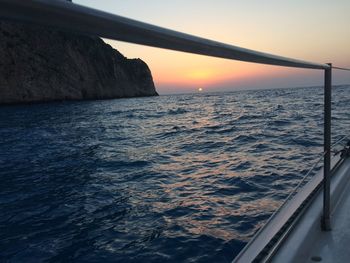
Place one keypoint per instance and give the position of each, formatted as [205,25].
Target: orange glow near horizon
[206,71]
[286,28]
[184,71]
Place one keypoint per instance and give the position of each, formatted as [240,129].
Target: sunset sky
[313,30]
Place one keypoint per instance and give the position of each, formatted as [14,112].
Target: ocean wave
[177,111]
[181,178]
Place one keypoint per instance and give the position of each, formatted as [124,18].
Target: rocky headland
[39,64]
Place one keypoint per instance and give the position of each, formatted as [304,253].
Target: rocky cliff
[39,64]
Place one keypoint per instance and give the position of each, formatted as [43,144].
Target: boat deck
[334,246]
[307,243]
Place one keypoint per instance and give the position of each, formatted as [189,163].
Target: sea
[174,178]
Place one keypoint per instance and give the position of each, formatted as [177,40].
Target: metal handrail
[341,68]
[71,17]
[269,237]
[339,141]
[303,179]
[77,18]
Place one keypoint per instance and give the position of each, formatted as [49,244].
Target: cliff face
[38,64]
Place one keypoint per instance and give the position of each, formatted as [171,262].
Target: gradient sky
[314,30]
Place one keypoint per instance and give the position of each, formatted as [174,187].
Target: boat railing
[313,169]
[269,238]
[71,17]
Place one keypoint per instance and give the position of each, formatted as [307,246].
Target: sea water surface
[177,178]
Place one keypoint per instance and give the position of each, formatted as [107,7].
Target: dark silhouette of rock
[39,64]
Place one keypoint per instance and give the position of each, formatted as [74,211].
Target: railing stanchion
[326,221]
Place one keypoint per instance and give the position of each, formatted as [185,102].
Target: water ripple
[181,178]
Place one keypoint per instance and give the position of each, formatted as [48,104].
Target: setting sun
[200,89]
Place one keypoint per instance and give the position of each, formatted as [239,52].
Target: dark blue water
[181,178]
